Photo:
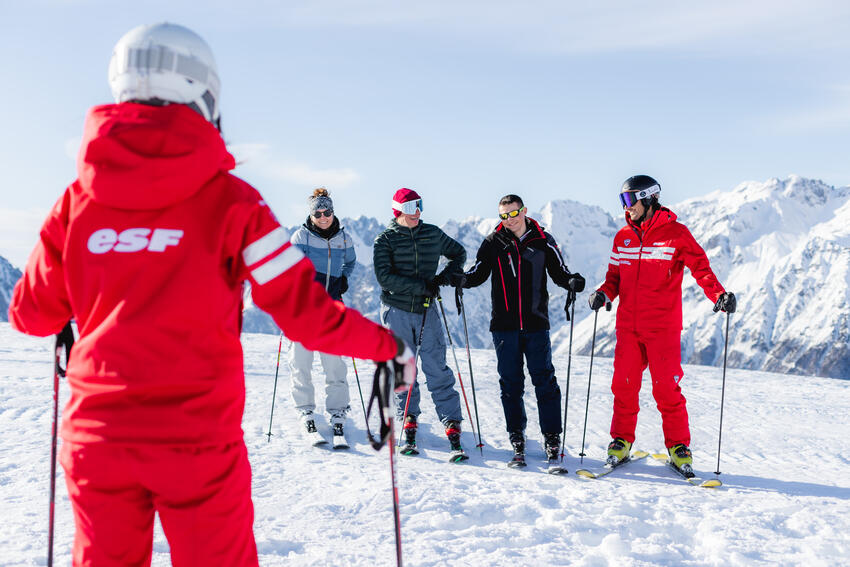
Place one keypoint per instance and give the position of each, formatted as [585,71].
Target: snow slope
[786,498]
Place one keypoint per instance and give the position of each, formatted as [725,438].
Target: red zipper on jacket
[519,281]
[504,289]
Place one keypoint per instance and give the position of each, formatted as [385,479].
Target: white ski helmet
[162,63]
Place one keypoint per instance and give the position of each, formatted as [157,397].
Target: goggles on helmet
[408,207]
[629,198]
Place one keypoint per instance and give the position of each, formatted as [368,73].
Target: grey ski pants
[439,378]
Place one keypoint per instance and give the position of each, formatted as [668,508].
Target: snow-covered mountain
[783,247]
[9,274]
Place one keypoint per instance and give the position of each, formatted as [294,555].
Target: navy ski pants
[535,346]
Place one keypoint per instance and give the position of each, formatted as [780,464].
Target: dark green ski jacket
[405,259]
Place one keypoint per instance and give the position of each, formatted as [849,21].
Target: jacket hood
[136,156]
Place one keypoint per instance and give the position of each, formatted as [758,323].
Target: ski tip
[458,458]
[639,454]
[584,473]
[711,483]
[660,457]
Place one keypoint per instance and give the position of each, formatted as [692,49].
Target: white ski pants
[336,386]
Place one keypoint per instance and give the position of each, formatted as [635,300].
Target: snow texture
[785,499]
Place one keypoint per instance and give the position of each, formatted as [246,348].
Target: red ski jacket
[148,251]
[646,268]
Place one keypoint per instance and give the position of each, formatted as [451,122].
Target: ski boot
[337,422]
[453,433]
[552,444]
[518,443]
[680,457]
[618,451]
[309,423]
[409,445]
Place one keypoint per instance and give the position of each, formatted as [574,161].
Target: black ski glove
[726,303]
[343,285]
[596,300]
[457,280]
[432,288]
[576,282]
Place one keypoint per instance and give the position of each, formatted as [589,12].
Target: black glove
[64,339]
[576,282]
[432,288]
[726,302]
[343,285]
[457,279]
[596,300]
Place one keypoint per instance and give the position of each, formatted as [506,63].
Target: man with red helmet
[645,270]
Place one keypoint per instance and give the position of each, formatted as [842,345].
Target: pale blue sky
[464,101]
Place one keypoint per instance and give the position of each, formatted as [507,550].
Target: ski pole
[396,510]
[457,366]
[722,393]
[357,377]
[416,356]
[274,392]
[65,339]
[571,300]
[589,375]
[462,310]
[382,390]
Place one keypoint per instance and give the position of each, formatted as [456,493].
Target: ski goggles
[326,213]
[629,198]
[511,214]
[408,207]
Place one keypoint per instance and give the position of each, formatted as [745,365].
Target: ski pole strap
[459,299]
[64,339]
[381,388]
[571,297]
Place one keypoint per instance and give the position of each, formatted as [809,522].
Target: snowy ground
[785,499]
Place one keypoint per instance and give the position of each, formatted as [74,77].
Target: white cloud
[258,158]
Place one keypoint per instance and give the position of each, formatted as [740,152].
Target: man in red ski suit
[645,269]
[148,251]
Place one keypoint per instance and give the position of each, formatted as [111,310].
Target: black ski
[408,449]
[458,455]
[518,461]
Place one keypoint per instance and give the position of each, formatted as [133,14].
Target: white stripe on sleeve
[277,265]
[265,246]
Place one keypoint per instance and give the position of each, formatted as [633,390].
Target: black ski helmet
[640,187]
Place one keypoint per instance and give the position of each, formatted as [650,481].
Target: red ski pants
[202,495]
[662,352]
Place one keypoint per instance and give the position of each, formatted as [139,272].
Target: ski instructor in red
[148,251]
[645,269]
